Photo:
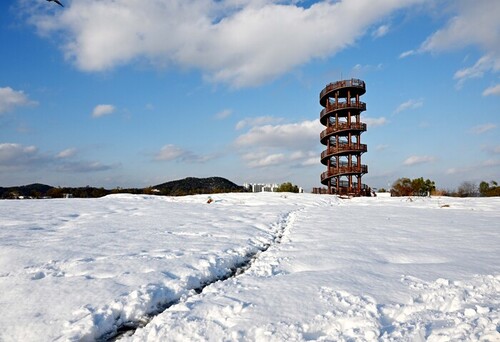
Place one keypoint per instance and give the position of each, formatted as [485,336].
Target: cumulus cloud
[265,158]
[233,42]
[287,145]
[475,23]
[463,28]
[479,129]
[410,104]
[102,109]
[299,135]
[493,90]
[414,160]
[262,159]
[10,99]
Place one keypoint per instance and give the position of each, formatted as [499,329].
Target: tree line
[420,187]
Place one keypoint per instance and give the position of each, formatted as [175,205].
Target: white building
[261,187]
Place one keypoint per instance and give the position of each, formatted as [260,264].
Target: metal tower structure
[342,137]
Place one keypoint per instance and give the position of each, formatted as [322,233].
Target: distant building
[260,187]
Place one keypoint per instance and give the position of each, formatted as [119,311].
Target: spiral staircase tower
[342,137]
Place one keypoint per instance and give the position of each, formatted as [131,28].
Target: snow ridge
[136,310]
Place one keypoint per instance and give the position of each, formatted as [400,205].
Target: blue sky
[132,93]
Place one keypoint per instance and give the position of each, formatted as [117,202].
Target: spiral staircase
[341,117]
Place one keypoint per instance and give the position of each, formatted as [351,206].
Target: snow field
[321,268]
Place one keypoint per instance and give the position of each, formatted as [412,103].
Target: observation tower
[342,137]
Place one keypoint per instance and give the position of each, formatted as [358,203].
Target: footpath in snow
[320,268]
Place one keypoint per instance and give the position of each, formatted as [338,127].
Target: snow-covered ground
[312,267]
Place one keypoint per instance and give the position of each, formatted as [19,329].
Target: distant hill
[187,186]
[31,190]
[192,185]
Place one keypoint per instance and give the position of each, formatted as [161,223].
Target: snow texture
[257,267]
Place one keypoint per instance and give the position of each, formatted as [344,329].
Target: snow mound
[446,310]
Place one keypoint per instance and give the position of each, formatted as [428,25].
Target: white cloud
[257,121]
[264,158]
[414,160]
[102,109]
[12,155]
[493,90]
[169,152]
[381,31]
[233,42]
[410,104]
[381,147]
[295,135]
[286,145]
[67,153]
[19,157]
[407,54]
[223,114]
[85,166]
[311,161]
[360,69]
[491,149]
[261,159]
[484,64]
[374,122]
[284,159]
[491,162]
[10,99]
[172,152]
[479,129]
[305,158]
[476,23]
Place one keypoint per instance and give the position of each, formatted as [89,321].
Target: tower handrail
[353,82]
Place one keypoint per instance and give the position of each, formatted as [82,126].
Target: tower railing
[360,148]
[353,82]
[343,170]
[342,126]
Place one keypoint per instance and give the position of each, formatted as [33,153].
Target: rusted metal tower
[342,137]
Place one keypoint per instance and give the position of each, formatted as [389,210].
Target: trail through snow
[310,268]
[129,328]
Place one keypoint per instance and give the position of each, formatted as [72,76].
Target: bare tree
[468,189]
